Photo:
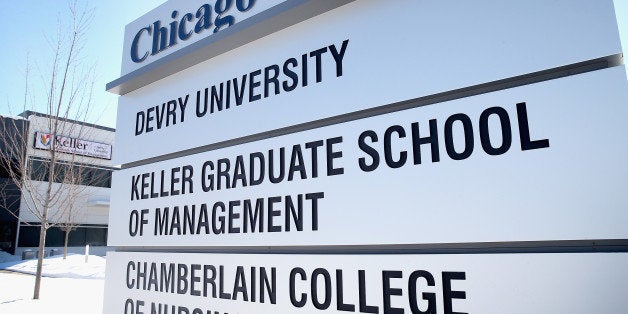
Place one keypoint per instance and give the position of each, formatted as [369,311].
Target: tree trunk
[65,243]
[40,259]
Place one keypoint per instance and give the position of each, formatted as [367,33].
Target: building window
[78,174]
[55,237]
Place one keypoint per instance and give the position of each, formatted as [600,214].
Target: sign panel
[354,58]
[72,145]
[537,162]
[491,283]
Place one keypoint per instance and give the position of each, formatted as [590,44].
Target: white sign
[361,55]
[293,141]
[482,283]
[70,145]
[537,162]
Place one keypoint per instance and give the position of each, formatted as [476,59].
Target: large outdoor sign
[70,145]
[502,166]
[348,60]
[439,284]
[360,137]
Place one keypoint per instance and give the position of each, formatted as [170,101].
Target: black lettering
[186,179]
[239,173]
[272,213]
[238,90]
[261,162]
[208,179]
[364,308]
[194,279]
[388,291]
[293,298]
[253,84]
[161,221]
[432,139]
[149,118]
[139,123]
[468,136]
[270,285]
[135,194]
[327,288]
[167,275]
[339,56]
[182,278]
[297,215]
[448,294]
[223,172]
[201,110]
[174,180]
[429,297]
[313,147]
[216,98]
[130,282]
[388,156]
[159,115]
[182,105]
[239,285]
[218,228]
[296,163]
[221,277]
[332,154]
[209,280]
[162,190]
[253,218]
[145,185]
[314,197]
[289,86]
[233,215]
[189,219]
[317,54]
[268,79]
[304,70]
[271,165]
[368,150]
[176,222]
[340,305]
[524,130]
[485,136]
[203,220]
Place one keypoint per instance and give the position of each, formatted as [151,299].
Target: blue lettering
[134,45]
[163,37]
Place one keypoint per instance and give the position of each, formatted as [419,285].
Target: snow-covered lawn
[69,286]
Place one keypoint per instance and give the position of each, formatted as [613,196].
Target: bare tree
[44,180]
[73,216]
[77,179]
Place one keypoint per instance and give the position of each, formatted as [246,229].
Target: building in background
[11,195]
[85,205]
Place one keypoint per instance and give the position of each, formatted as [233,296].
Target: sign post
[373,157]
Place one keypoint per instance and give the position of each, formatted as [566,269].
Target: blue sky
[27,24]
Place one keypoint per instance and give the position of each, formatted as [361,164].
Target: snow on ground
[69,286]
[72,267]
[6,257]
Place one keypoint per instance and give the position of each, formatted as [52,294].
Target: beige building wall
[90,204]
